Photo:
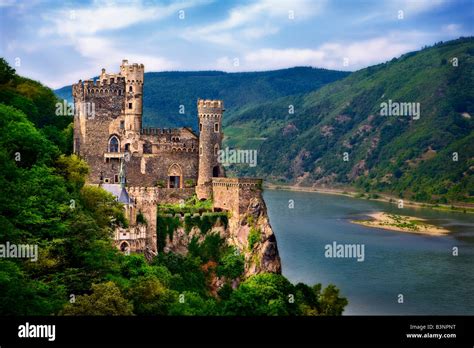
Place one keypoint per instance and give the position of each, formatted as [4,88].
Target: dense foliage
[78,271]
[427,159]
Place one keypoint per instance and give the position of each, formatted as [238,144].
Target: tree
[330,303]
[7,73]
[106,299]
[150,297]
[262,294]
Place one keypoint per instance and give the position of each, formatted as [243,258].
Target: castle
[144,167]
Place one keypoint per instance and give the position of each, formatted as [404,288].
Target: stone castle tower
[161,165]
[134,76]
[210,141]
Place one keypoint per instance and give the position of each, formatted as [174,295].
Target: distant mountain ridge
[314,127]
[169,98]
[338,135]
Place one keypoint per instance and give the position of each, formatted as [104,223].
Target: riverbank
[349,192]
[401,223]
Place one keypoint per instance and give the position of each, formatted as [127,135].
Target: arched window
[130,89]
[114,144]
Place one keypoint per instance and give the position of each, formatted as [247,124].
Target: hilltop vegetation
[78,271]
[399,155]
[165,92]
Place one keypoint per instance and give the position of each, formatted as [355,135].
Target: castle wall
[165,165]
[146,199]
[235,194]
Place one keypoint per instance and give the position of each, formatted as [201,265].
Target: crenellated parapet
[237,182]
[235,194]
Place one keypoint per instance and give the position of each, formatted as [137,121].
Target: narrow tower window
[216,127]
[113,144]
[129,105]
[122,124]
[200,127]
[130,89]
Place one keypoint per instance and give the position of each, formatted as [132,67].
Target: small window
[122,124]
[113,144]
[127,147]
[130,89]
[200,150]
[147,148]
[107,180]
[200,127]
[129,105]
[112,80]
[216,149]
[216,127]
[116,178]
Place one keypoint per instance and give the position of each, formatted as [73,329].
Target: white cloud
[87,30]
[252,21]
[103,16]
[389,10]
[418,6]
[330,55]
[451,29]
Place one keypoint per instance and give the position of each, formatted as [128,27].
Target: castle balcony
[117,155]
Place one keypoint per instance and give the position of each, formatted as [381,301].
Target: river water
[420,268]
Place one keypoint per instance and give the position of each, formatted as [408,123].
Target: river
[421,268]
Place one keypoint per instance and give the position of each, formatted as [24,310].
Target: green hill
[401,155]
[165,92]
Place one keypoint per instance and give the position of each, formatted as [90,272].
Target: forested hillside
[338,136]
[166,93]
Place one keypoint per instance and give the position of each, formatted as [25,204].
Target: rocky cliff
[249,232]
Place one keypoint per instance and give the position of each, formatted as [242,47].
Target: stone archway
[124,247]
[175,176]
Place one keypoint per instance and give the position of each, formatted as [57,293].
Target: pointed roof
[124,197]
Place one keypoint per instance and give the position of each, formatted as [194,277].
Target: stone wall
[146,199]
[242,197]
[234,194]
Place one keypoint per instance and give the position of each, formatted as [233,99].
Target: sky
[60,42]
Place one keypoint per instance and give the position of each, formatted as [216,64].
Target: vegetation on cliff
[78,271]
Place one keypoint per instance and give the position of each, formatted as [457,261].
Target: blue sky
[60,42]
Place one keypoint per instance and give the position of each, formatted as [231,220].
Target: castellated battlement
[237,182]
[107,87]
[160,131]
[235,194]
[210,108]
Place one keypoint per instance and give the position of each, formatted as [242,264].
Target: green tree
[150,297]
[106,299]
